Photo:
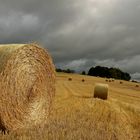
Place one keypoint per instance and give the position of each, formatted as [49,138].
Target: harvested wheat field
[76,115]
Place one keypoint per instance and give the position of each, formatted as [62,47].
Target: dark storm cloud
[78,33]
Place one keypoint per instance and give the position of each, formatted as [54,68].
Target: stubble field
[76,115]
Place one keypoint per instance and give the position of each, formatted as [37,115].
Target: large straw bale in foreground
[101,91]
[27,86]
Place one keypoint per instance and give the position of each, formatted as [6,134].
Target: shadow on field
[87,97]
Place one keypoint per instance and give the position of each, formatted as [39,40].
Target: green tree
[83,73]
[109,73]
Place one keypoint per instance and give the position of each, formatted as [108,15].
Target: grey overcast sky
[78,33]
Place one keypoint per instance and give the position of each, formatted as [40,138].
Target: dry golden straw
[101,91]
[27,86]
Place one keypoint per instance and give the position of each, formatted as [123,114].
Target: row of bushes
[66,71]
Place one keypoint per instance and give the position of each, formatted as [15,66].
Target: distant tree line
[109,73]
[102,72]
[65,70]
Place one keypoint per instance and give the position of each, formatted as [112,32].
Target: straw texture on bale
[101,91]
[27,86]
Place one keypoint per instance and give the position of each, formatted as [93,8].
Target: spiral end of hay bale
[101,91]
[27,86]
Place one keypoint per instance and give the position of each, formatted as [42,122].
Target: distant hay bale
[106,80]
[113,80]
[121,82]
[70,79]
[137,85]
[83,80]
[27,86]
[101,91]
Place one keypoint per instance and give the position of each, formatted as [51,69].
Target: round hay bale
[27,86]
[106,80]
[83,80]
[101,91]
[121,82]
[70,79]
[137,85]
